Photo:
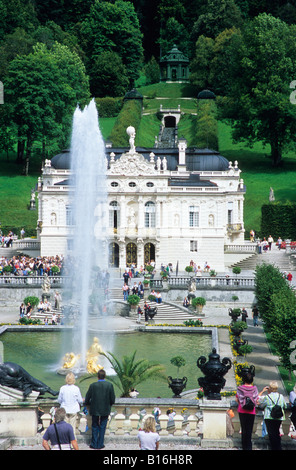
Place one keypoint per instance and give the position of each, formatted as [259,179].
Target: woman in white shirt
[148,437]
[70,398]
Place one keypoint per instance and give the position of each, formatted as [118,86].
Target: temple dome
[61,161]
[206,95]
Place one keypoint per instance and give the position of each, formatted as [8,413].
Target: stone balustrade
[30,280]
[202,422]
[225,281]
[173,281]
[128,414]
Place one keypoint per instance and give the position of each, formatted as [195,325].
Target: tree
[218,15]
[17,14]
[108,76]
[42,90]
[200,65]
[17,43]
[223,60]
[259,96]
[152,71]
[130,373]
[113,27]
[174,32]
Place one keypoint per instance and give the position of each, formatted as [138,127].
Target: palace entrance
[131,254]
[113,255]
[149,253]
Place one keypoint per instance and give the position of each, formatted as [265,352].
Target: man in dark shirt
[60,434]
[100,397]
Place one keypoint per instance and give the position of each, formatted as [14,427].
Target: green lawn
[15,194]
[259,176]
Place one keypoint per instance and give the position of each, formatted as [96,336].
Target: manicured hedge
[277,309]
[206,125]
[279,220]
[109,107]
[130,115]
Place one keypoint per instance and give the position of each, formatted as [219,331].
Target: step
[282,260]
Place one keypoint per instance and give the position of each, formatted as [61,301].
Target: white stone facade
[155,213]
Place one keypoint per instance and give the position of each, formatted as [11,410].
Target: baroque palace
[169,205]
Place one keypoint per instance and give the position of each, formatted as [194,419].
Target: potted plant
[34,301]
[234,313]
[152,298]
[55,270]
[7,269]
[164,275]
[177,385]
[133,300]
[245,349]
[198,303]
[237,328]
[213,274]
[148,271]
[189,270]
[146,283]
[236,270]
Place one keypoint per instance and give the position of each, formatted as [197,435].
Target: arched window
[114,213]
[150,214]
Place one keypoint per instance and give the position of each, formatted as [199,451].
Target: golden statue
[70,360]
[92,356]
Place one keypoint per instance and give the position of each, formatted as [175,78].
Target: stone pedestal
[214,419]
[18,418]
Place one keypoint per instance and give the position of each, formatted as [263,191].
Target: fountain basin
[41,349]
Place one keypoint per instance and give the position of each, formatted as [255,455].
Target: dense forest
[55,54]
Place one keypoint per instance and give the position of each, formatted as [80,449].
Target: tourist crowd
[23,265]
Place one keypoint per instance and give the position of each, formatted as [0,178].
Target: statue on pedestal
[14,376]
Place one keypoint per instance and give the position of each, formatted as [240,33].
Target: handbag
[249,405]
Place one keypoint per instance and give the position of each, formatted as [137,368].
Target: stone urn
[243,371]
[177,385]
[238,342]
[214,371]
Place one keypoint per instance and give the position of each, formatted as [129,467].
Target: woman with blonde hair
[70,398]
[273,422]
[148,437]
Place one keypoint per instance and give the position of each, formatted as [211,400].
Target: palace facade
[170,205]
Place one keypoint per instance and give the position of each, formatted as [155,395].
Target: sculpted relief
[132,165]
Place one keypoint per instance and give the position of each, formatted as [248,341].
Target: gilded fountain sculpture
[72,361]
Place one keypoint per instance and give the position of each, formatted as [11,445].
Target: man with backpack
[274,404]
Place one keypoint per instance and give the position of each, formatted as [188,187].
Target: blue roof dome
[62,161]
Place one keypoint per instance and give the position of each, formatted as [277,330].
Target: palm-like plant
[130,373]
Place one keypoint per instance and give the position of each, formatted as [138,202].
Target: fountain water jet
[88,211]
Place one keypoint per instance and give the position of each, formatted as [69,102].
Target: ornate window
[193,216]
[150,214]
[114,213]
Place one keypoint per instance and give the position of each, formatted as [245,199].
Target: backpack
[276,411]
[249,405]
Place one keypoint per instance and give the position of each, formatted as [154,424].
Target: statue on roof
[132,135]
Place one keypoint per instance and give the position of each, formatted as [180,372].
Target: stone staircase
[166,312]
[280,259]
